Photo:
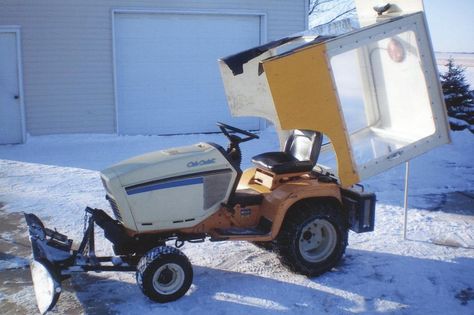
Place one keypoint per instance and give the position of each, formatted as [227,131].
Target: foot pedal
[228,208]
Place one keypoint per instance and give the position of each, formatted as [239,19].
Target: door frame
[16,29]
[117,11]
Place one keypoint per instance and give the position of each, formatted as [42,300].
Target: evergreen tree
[458,98]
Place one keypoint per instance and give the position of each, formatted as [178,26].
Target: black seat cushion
[281,163]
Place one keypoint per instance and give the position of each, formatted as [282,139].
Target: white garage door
[167,76]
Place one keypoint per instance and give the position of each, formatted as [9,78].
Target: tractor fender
[282,199]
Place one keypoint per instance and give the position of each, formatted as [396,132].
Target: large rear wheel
[313,237]
[164,274]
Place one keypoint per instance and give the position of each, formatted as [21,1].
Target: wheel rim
[318,240]
[168,279]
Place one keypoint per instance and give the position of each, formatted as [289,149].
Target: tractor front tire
[164,274]
[313,237]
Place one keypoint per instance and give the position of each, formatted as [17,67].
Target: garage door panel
[168,80]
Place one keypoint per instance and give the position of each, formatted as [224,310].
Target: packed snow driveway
[56,177]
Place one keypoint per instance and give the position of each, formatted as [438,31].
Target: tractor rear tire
[164,274]
[313,237]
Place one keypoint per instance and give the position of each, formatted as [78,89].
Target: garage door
[167,76]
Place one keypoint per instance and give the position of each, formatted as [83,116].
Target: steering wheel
[226,130]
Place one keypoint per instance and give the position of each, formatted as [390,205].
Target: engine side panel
[179,202]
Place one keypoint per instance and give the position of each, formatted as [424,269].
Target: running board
[263,228]
[234,231]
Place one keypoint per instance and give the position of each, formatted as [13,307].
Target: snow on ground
[57,176]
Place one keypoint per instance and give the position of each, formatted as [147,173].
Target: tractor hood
[156,165]
[165,164]
[146,192]
[374,92]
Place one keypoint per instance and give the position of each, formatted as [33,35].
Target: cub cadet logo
[201,163]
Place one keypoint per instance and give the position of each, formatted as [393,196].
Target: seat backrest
[304,145]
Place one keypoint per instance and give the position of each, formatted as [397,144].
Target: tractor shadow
[365,282]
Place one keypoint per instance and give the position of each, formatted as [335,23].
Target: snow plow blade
[50,251]
[46,284]
[54,259]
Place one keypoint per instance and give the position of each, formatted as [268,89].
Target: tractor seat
[300,155]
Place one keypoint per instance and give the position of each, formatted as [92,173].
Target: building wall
[67,54]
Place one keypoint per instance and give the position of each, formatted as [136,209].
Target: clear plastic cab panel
[389,94]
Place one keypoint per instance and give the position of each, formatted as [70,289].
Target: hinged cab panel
[373,92]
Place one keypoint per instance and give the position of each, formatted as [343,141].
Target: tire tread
[152,257]
[286,242]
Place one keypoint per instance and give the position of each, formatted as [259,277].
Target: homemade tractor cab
[374,93]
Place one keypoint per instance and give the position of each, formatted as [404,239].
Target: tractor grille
[115,208]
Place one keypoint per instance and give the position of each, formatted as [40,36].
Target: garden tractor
[345,107]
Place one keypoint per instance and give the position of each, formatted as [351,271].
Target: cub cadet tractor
[374,94]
